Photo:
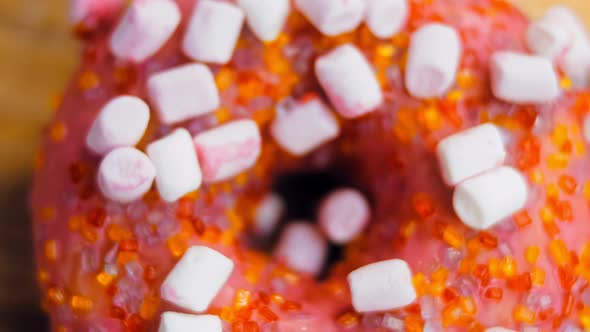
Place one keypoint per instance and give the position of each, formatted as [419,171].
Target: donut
[278,166]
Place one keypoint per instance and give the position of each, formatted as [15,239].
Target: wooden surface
[36,57]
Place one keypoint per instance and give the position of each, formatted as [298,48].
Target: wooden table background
[36,57]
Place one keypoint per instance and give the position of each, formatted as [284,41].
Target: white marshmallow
[333,17]
[349,81]
[498,329]
[386,17]
[197,278]
[268,214]
[184,92]
[304,128]
[228,150]
[177,166]
[125,175]
[576,64]
[433,59]
[521,78]
[343,215]
[144,29]
[266,18]
[470,152]
[381,286]
[176,322]
[483,201]
[81,10]
[213,31]
[548,38]
[302,248]
[121,122]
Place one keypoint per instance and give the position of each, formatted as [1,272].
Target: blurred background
[37,55]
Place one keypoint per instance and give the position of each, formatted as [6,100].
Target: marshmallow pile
[485,191]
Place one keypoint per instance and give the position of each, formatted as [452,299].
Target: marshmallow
[265,18]
[184,92]
[305,127]
[349,81]
[521,78]
[213,31]
[433,59]
[81,10]
[483,201]
[333,17]
[121,122]
[228,150]
[176,322]
[177,167]
[549,38]
[268,214]
[144,29]
[197,278]
[576,64]
[302,248]
[498,329]
[343,215]
[470,152]
[125,175]
[381,286]
[386,17]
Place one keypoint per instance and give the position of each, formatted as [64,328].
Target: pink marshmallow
[121,122]
[228,150]
[81,10]
[184,92]
[386,17]
[213,31]
[144,29]
[125,175]
[381,286]
[349,81]
[302,248]
[333,17]
[433,59]
[343,215]
[304,128]
[521,78]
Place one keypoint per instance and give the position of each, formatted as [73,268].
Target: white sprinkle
[184,92]
[213,31]
[343,215]
[176,322]
[302,248]
[268,214]
[349,81]
[382,286]
[433,59]
[228,150]
[521,78]
[470,152]
[304,128]
[265,18]
[333,17]
[197,279]
[178,170]
[144,29]
[121,122]
[125,175]
[386,17]
[485,200]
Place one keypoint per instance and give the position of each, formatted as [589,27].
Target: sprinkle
[494,293]
[532,254]
[58,132]
[81,304]
[522,314]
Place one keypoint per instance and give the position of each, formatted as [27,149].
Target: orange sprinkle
[494,266]
[277,298]
[439,275]
[88,80]
[563,211]
[117,313]
[567,277]
[587,190]
[420,284]
[568,184]
[508,266]
[546,215]
[242,298]
[423,205]
[538,276]
[494,293]
[104,278]
[558,160]
[56,295]
[453,237]
[51,250]
[149,307]
[568,304]
[291,306]
[248,326]
[81,304]
[474,246]
[522,219]
[43,276]
[521,282]
[224,78]
[584,318]
[414,323]
[559,252]
[89,234]
[488,240]
[267,314]
[128,245]
[449,295]
[177,245]
[482,273]
[116,233]
[348,319]
[532,254]
[125,257]
[537,176]
[408,228]
[522,314]
[58,131]
[223,115]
